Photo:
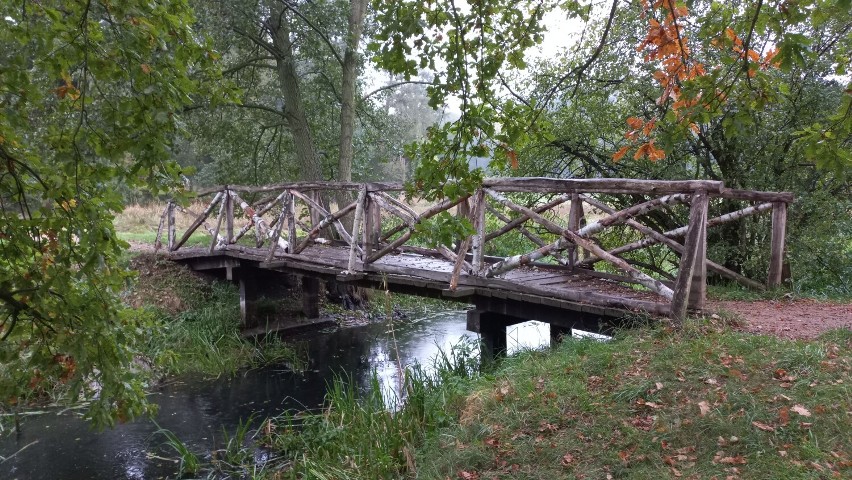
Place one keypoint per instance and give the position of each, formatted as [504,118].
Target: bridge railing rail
[375,220]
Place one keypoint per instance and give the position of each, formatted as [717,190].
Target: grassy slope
[197,322]
[657,405]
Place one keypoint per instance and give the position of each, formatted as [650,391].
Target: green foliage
[90,97]
[476,45]
[188,462]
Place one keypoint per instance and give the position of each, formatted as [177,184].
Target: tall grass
[371,435]
[206,338]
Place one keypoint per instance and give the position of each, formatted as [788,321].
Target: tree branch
[394,85]
[313,27]
[248,63]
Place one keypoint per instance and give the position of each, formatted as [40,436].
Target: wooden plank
[755,196]
[600,185]
[462,292]
[776,255]
[683,283]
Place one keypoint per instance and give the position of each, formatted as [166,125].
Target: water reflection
[197,410]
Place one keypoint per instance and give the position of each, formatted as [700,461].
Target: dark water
[197,410]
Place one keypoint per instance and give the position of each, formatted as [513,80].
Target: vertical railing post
[290,206]
[372,227]
[478,244]
[696,229]
[698,285]
[356,229]
[776,255]
[229,217]
[170,219]
[575,214]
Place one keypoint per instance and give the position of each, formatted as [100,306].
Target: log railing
[379,222]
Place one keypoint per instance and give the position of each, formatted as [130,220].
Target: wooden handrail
[368,240]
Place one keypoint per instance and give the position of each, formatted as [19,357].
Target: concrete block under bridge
[491,317]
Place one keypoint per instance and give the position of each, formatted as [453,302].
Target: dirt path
[795,318]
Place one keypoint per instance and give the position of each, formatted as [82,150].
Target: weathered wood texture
[779,231]
[462,269]
[697,229]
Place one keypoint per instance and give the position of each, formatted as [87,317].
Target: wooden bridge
[594,247]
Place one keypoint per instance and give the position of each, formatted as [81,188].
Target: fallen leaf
[738,460]
[763,426]
[784,416]
[567,459]
[704,408]
[782,453]
[801,410]
[465,475]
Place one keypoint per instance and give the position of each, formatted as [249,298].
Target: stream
[58,444]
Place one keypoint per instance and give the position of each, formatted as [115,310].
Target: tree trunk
[357,12]
[294,111]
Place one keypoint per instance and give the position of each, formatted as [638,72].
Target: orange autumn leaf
[146,68]
[620,153]
[513,158]
[635,123]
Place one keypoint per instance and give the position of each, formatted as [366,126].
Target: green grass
[654,403]
[657,404]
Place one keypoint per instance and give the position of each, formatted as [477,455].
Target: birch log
[157,243]
[523,218]
[681,231]
[276,233]
[321,210]
[259,213]
[677,247]
[258,221]
[324,223]
[641,278]
[215,241]
[356,229]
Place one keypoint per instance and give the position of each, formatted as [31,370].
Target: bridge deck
[577,290]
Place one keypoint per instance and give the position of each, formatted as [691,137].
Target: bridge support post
[248,298]
[491,328]
[557,333]
[310,297]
